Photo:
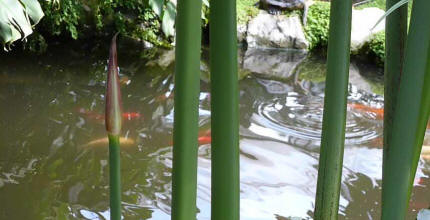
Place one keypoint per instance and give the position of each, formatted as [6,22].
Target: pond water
[53,160]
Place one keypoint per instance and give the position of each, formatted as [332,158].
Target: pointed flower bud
[113,93]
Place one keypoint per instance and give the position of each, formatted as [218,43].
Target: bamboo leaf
[157,6]
[33,9]
[15,18]
[390,10]
[168,22]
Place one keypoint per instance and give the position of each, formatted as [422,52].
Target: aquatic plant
[113,121]
[15,16]
[334,118]
[224,111]
[186,99]
[395,41]
[405,132]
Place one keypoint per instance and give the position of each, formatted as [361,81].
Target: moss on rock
[246,9]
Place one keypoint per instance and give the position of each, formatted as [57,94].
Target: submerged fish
[101,117]
[378,112]
[204,137]
[104,142]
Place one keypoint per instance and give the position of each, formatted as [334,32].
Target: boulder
[276,31]
[273,62]
[362,23]
[241,32]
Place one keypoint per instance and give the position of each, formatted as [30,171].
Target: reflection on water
[53,161]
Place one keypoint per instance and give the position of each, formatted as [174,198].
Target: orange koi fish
[101,117]
[379,112]
[204,137]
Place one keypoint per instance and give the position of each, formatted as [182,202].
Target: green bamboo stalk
[410,116]
[334,118]
[187,87]
[113,123]
[395,39]
[225,111]
[114,177]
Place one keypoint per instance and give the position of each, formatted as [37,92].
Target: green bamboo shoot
[225,111]
[334,118]
[410,117]
[395,40]
[187,87]
[113,119]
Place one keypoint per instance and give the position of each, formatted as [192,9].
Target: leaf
[389,11]
[168,23]
[15,18]
[33,9]
[157,6]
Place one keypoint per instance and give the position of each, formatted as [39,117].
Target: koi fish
[104,142]
[378,112]
[164,97]
[101,117]
[124,80]
[204,137]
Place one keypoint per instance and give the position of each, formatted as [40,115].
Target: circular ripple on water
[301,117]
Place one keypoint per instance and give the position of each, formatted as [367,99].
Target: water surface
[53,160]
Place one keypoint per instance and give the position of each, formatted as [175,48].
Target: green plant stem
[410,116]
[395,40]
[187,87]
[334,118]
[114,177]
[225,111]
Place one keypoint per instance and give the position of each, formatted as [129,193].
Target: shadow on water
[53,161]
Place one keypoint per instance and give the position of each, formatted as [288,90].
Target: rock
[276,31]
[166,58]
[277,63]
[423,214]
[241,32]
[362,23]
[357,80]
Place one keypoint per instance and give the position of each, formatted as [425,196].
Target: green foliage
[246,9]
[62,17]
[36,43]
[377,47]
[149,20]
[375,3]
[15,16]
[316,29]
[168,22]
[78,19]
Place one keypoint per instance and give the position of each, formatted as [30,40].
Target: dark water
[53,160]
